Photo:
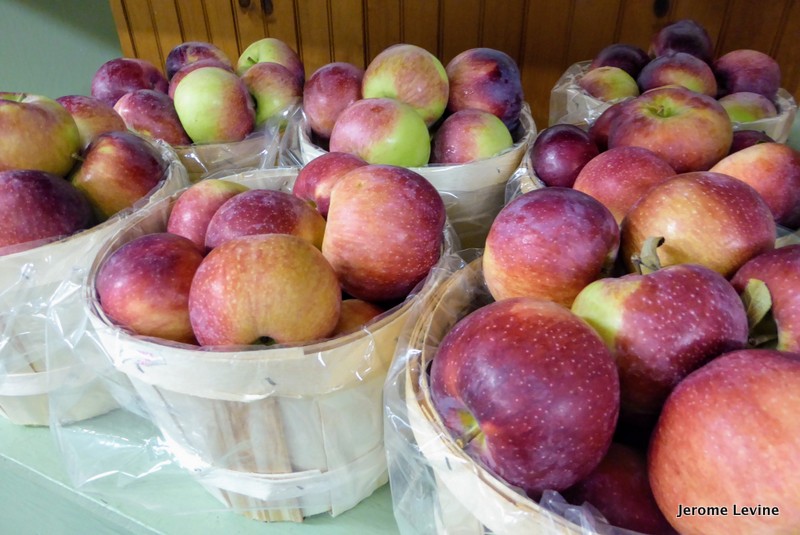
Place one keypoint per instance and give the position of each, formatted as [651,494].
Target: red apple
[118,169]
[384,232]
[780,271]
[619,488]
[549,243]
[152,114]
[412,75]
[382,131]
[39,206]
[92,116]
[748,70]
[118,76]
[530,390]
[619,177]
[266,286]
[559,152]
[690,131]
[195,207]
[355,314]
[746,138]
[680,69]
[274,88]
[684,35]
[629,58]
[773,170]
[316,179]
[705,218]
[729,437]
[661,326]
[190,52]
[486,79]
[271,50]
[608,84]
[265,211]
[600,127]
[331,89]
[470,135]
[144,285]
[744,107]
[38,133]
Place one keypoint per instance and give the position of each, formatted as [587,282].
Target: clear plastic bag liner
[473,193]
[276,434]
[31,275]
[572,105]
[436,487]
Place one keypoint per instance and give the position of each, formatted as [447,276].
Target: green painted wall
[54,47]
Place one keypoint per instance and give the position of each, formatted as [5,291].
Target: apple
[38,133]
[470,135]
[152,114]
[619,488]
[679,68]
[384,232]
[608,84]
[559,152]
[38,205]
[253,289]
[274,88]
[619,177]
[271,50]
[186,69]
[144,285]
[684,35]
[316,179]
[600,127]
[92,116]
[661,326]
[705,218]
[549,243]
[629,58]
[265,211]
[773,170]
[190,52]
[746,138]
[118,76]
[382,131]
[412,75]
[689,130]
[214,106]
[529,390]
[729,437]
[745,107]
[486,79]
[779,269]
[195,207]
[118,169]
[355,314]
[328,91]
[748,70]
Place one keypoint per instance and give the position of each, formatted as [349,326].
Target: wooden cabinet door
[543,36]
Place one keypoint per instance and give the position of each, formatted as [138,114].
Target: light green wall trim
[54,47]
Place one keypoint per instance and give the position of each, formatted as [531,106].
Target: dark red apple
[684,35]
[559,152]
[681,69]
[152,114]
[746,138]
[328,91]
[118,76]
[316,179]
[195,207]
[190,52]
[748,70]
[629,58]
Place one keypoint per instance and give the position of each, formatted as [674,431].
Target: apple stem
[647,260]
[468,436]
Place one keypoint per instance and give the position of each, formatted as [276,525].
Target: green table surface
[36,497]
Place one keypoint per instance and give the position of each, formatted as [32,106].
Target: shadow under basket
[278,433]
[471,500]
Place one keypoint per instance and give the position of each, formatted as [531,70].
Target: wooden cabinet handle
[266,6]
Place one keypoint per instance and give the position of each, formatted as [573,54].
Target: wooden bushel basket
[277,434]
[33,361]
[473,193]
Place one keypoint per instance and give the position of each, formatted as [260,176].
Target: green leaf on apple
[758,303]
[647,260]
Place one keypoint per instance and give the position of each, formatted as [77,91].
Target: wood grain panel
[421,24]
[461,27]
[594,24]
[787,51]
[250,24]
[123,28]
[637,23]
[282,23]
[751,25]
[168,27]
[192,20]
[503,24]
[382,27]
[347,31]
[143,31]
[222,27]
[544,56]
[315,35]
[708,13]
